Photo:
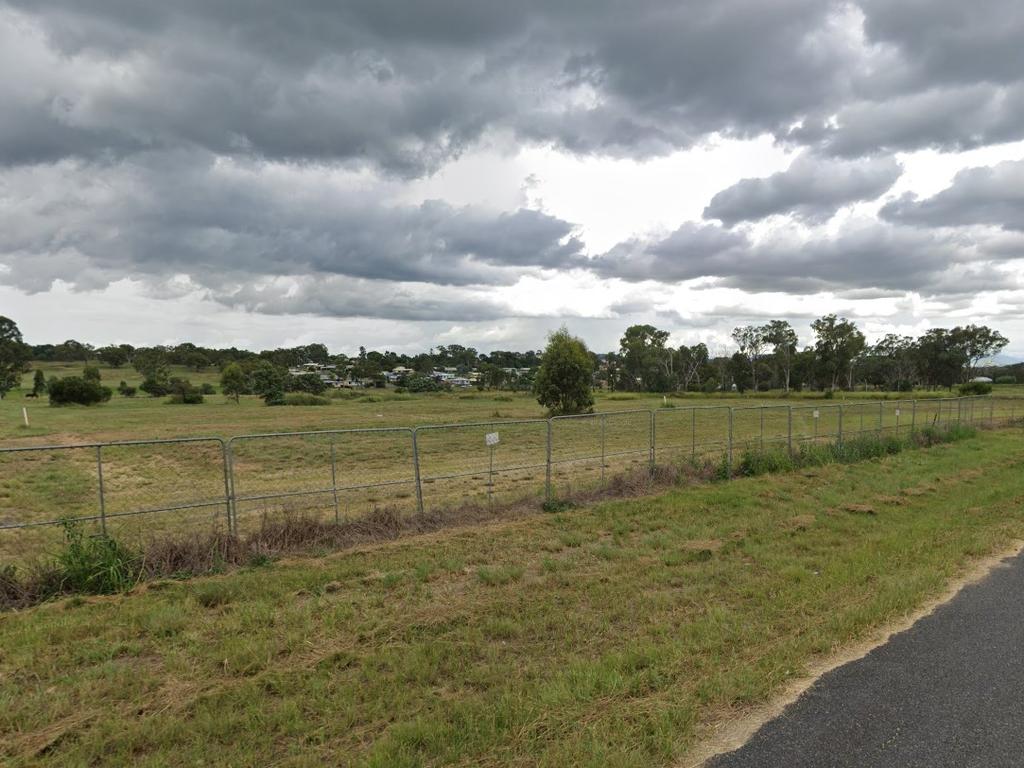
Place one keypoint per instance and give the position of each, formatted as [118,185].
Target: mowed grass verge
[600,636]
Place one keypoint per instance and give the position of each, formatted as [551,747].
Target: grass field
[374,469]
[607,635]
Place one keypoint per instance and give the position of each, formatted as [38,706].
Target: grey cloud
[812,188]
[222,222]
[407,87]
[991,196]
[679,256]
[861,255]
[338,297]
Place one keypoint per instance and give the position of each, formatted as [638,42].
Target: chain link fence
[146,489]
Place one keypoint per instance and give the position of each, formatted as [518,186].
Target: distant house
[982,379]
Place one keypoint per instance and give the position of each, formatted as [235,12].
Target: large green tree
[645,361]
[14,356]
[783,338]
[563,382]
[837,346]
[751,340]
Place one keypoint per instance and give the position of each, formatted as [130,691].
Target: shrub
[976,388]
[208,389]
[563,381]
[273,395]
[1006,380]
[91,373]
[95,564]
[422,384]
[124,390]
[304,398]
[156,386]
[77,390]
[306,382]
[183,392]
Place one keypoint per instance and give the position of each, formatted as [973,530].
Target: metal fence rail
[150,487]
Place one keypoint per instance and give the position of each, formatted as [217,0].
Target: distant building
[982,379]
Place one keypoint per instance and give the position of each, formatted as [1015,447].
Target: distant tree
[563,382]
[72,351]
[691,362]
[783,338]
[14,356]
[751,340]
[233,381]
[740,371]
[896,355]
[38,383]
[940,357]
[979,342]
[114,356]
[91,373]
[184,392]
[154,366]
[837,346]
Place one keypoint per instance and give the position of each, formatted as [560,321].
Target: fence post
[991,411]
[913,416]
[840,425]
[547,466]
[762,428]
[227,483]
[334,483]
[789,428]
[881,407]
[693,433]
[729,452]
[99,476]
[959,409]
[416,472]
[652,442]
[232,501]
[604,420]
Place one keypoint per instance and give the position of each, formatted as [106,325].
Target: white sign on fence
[491,438]
[897,411]
[817,413]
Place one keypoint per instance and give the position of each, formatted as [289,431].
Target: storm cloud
[274,156]
[812,189]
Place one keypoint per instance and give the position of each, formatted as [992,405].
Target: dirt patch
[859,509]
[729,733]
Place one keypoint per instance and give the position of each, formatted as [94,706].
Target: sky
[402,175]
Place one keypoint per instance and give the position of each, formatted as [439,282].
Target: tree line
[770,356]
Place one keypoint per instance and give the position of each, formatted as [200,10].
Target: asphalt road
[947,692]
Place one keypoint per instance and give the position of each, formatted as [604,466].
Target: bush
[1006,380]
[306,382]
[77,390]
[976,388]
[91,373]
[95,564]
[155,386]
[422,384]
[208,389]
[304,398]
[125,391]
[183,392]
[273,396]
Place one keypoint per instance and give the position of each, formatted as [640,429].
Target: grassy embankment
[600,636]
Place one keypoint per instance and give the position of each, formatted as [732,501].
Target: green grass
[603,635]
